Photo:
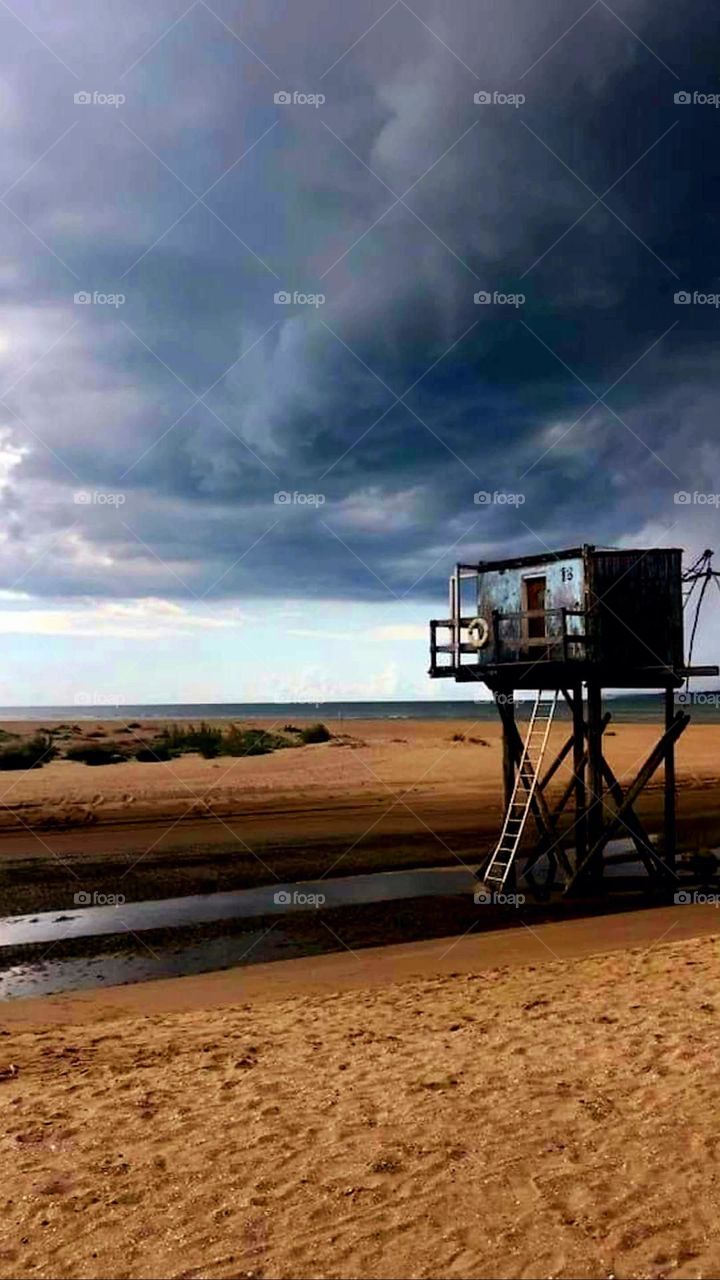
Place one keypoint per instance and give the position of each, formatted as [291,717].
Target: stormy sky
[302,302]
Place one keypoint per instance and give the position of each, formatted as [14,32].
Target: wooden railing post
[455,616]
[496,634]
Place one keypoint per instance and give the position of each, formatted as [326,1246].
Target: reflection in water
[277,899]
[168,960]
[46,977]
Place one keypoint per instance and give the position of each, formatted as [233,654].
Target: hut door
[535,599]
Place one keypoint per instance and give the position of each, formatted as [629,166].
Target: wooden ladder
[526,781]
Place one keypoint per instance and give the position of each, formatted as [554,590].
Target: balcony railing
[534,635]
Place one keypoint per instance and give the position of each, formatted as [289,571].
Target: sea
[630,708]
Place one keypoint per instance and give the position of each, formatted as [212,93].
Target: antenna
[701,571]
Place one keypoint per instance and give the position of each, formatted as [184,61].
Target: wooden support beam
[595,774]
[579,762]
[640,837]
[582,761]
[670,850]
[672,733]
[556,856]
[505,703]
[564,751]
[577,742]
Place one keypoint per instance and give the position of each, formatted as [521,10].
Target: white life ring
[478,632]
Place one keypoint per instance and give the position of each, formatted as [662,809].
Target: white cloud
[129,620]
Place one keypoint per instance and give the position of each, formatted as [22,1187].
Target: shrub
[95,753]
[315,733]
[32,754]
[210,742]
[207,741]
[204,739]
[246,742]
[252,742]
[158,751]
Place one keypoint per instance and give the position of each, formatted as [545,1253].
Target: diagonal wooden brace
[571,784]
[640,837]
[654,760]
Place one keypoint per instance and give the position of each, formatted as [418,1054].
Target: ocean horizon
[702,705]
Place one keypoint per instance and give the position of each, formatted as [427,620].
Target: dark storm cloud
[198,397]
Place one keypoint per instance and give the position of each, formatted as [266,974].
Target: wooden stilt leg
[595,778]
[579,758]
[506,708]
[670,836]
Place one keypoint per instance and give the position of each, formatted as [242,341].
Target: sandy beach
[379,795]
[535,1101]
[541,1105]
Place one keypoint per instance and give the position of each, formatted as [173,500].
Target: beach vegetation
[159,750]
[315,733]
[31,754]
[96,753]
[207,740]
